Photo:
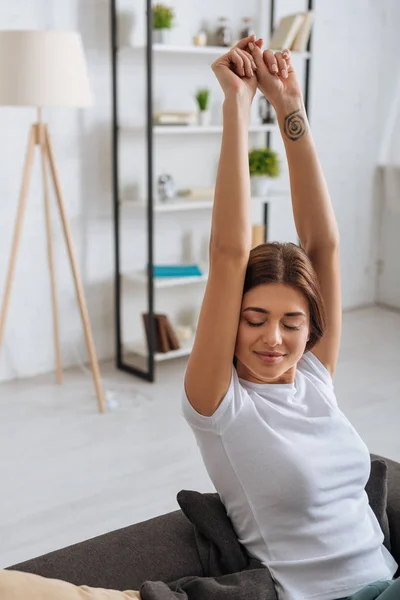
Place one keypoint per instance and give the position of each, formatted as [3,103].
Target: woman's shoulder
[312,367]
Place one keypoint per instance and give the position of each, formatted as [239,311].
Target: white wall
[353,44]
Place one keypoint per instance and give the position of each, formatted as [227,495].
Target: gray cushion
[377,491]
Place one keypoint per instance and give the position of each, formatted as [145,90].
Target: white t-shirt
[291,471]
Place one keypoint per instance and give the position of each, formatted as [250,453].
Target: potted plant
[203,101]
[163,17]
[264,166]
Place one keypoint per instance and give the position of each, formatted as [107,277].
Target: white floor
[68,473]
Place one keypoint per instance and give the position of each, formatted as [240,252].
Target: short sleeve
[226,412]
[313,367]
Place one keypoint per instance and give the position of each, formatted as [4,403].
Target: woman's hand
[275,75]
[235,70]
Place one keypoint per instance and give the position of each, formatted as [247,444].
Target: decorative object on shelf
[166,339]
[201,38]
[263,166]
[175,118]
[266,111]
[223,34]
[203,102]
[257,235]
[41,68]
[177,271]
[163,17]
[166,187]
[196,193]
[247,28]
[184,333]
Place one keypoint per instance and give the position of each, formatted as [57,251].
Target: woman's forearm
[231,219]
[312,208]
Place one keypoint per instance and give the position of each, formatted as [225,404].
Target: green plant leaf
[163,16]
[264,161]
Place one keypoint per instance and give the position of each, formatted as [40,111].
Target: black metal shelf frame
[149,374]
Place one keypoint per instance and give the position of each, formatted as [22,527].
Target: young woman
[259,395]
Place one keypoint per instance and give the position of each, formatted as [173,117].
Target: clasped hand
[246,67]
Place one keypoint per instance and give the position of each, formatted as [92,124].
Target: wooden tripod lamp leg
[50,255]
[17,229]
[78,284]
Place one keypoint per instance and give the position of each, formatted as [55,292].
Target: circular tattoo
[295,126]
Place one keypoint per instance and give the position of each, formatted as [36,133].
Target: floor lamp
[46,69]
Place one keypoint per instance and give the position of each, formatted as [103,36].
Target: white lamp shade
[43,68]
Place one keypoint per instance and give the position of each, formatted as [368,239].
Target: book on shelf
[165,337]
[197,193]
[301,40]
[286,31]
[177,271]
[293,32]
[175,118]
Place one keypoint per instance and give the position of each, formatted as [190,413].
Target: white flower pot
[260,185]
[204,117]
[161,36]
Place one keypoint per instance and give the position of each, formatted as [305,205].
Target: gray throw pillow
[377,491]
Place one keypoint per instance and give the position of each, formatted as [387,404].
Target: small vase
[161,36]
[260,185]
[204,118]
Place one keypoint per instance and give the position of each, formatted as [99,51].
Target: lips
[272,354]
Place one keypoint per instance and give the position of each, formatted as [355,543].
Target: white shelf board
[163,282]
[187,205]
[193,129]
[192,49]
[173,206]
[140,349]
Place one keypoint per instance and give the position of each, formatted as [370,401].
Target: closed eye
[259,325]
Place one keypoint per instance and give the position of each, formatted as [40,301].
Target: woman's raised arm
[312,208]
[209,368]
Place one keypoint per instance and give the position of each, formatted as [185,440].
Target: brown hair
[287,263]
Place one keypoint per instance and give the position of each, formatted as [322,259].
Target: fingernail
[251,46]
[274,68]
[284,73]
[254,65]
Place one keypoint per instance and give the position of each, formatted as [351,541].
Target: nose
[271,335]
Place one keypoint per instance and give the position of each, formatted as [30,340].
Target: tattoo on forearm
[295,125]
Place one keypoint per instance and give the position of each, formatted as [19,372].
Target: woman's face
[266,327]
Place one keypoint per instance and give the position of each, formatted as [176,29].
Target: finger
[288,58]
[260,43]
[270,60]
[242,44]
[249,64]
[282,66]
[237,61]
[256,55]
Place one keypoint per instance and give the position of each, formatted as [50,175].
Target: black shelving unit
[121,363]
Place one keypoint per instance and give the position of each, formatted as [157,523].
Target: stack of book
[293,32]
[177,271]
[197,193]
[165,337]
[175,118]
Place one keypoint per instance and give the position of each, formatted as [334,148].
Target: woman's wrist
[288,105]
[237,105]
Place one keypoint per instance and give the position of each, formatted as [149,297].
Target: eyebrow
[267,312]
